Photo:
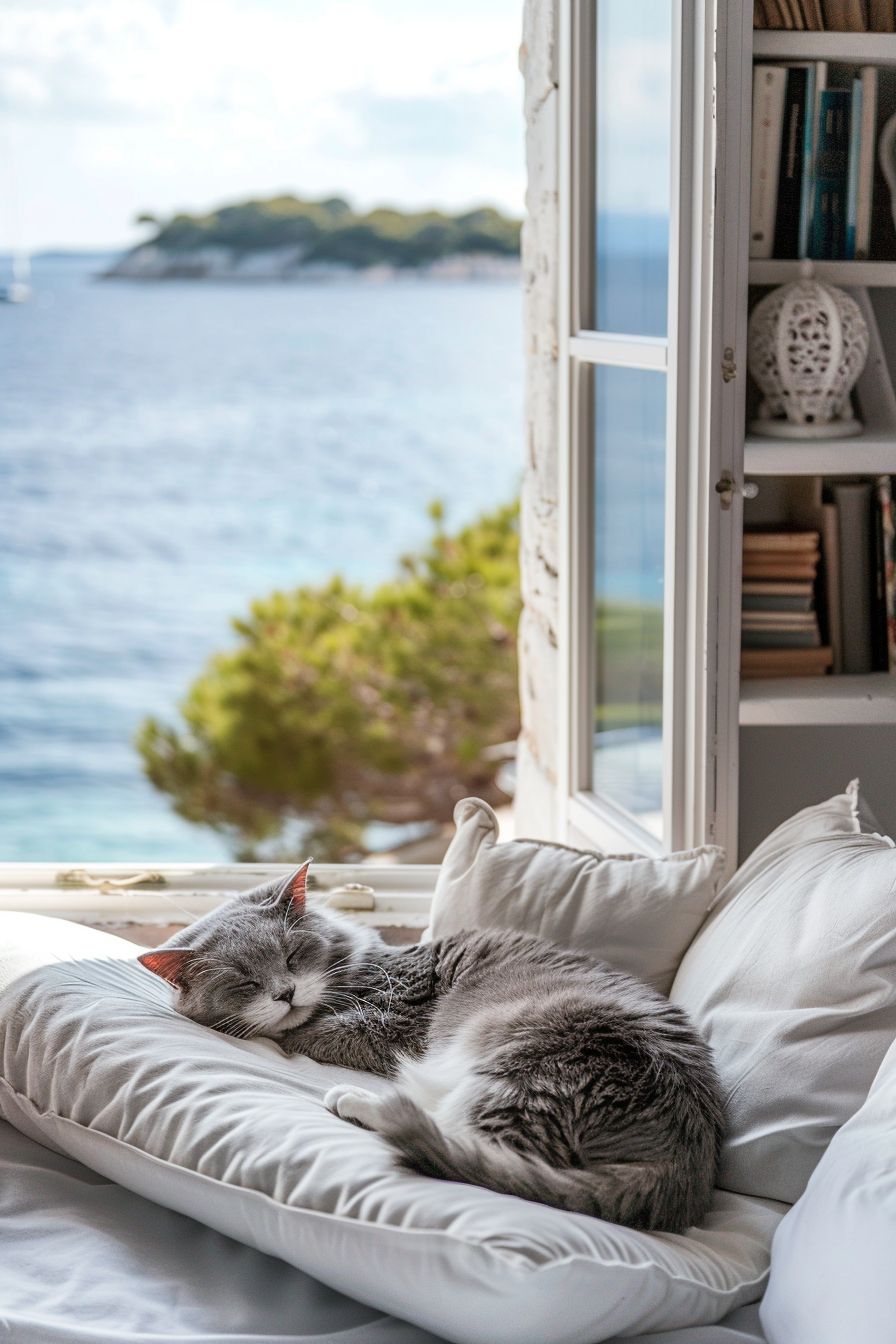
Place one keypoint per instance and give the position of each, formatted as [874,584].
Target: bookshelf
[868,274]
[811,701]
[842,716]
[843,48]
[873,454]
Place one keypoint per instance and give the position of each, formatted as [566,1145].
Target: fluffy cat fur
[518,1065]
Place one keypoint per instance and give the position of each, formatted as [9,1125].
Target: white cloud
[117,105]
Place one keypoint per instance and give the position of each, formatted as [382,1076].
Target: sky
[112,107]
[109,108]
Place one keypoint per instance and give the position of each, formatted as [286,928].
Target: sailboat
[18,289]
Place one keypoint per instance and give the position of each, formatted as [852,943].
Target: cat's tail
[636,1194]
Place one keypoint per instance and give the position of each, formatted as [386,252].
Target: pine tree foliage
[340,706]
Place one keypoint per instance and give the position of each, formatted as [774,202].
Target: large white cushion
[95,1063]
[637,913]
[793,981]
[126,1271]
[832,1260]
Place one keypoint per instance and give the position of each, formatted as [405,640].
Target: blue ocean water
[170,451]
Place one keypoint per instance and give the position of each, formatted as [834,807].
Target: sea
[170,451]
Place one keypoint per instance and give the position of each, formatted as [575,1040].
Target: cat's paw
[353,1103]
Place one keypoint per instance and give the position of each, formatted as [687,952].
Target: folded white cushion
[832,1259]
[95,1063]
[793,981]
[637,913]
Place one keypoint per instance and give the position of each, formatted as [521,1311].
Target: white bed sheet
[84,1261]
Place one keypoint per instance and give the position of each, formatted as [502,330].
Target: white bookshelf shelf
[847,48]
[814,701]
[871,274]
[872,454]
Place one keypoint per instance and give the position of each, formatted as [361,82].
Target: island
[286,238]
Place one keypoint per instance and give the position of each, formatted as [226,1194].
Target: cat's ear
[294,888]
[171,963]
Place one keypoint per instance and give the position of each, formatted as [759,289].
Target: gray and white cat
[518,1065]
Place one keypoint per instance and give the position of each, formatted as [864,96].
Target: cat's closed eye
[248,986]
[292,959]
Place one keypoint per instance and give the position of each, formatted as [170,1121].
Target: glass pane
[633,141]
[629,506]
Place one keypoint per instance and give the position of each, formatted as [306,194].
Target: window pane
[629,473]
[634,80]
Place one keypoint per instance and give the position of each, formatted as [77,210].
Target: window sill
[384,895]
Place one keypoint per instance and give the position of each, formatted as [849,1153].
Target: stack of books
[780,636]
[831,16]
[859,548]
[813,163]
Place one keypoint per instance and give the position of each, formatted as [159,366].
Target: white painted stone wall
[534,805]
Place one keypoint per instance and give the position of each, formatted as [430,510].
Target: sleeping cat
[518,1065]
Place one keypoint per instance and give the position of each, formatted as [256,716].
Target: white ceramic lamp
[807,345]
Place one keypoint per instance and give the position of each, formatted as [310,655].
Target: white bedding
[83,1261]
[96,1065]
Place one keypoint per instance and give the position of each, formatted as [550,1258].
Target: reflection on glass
[629,475]
[633,138]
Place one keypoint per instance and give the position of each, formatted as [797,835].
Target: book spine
[867,156]
[852,176]
[880,657]
[784,662]
[816,76]
[831,162]
[880,15]
[790,176]
[845,16]
[781,541]
[781,639]
[854,538]
[830,549]
[888,563]
[769,87]
[766,15]
[768,604]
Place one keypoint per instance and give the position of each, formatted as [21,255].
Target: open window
[647,361]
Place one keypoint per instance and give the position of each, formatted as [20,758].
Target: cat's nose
[285,995]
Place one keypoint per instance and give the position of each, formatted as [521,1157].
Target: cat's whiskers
[343,1002]
[347,995]
[392,983]
[224,1023]
[213,977]
[191,914]
[348,960]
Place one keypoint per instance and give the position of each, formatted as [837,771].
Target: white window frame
[698,728]
[176,893]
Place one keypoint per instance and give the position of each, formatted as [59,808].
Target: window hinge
[729,364]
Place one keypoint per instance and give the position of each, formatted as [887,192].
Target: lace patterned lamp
[807,345]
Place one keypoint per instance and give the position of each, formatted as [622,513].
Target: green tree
[331,231]
[340,706]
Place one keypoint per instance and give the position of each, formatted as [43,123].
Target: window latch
[727,487]
[729,364]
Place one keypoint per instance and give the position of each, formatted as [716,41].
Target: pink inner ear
[297,885]
[170,963]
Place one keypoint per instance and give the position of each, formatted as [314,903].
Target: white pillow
[832,1258]
[637,913]
[96,1064]
[793,981]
